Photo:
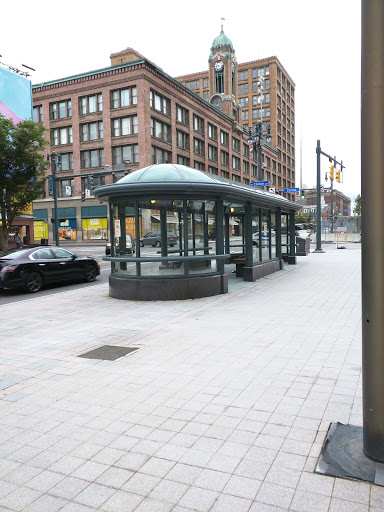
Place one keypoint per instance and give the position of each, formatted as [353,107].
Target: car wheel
[34,282]
[157,244]
[90,273]
[141,244]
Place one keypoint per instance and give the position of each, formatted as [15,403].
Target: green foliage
[357,209]
[22,169]
[302,218]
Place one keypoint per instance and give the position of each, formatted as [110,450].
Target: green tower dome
[221,40]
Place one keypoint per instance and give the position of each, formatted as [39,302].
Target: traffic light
[331,172]
[303,194]
[338,176]
[90,182]
[83,196]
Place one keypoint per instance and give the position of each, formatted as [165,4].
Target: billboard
[15,96]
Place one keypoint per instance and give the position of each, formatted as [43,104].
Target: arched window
[219,79]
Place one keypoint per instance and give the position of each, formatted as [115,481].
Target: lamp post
[255,138]
[54,167]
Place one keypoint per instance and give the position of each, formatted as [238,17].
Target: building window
[182,139]
[160,130]
[193,85]
[236,144]
[225,174]
[212,152]
[245,167]
[125,154]
[199,165]
[38,114]
[206,95]
[243,102]
[60,109]
[124,97]
[267,98]
[243,89]
[61,136]
[198,123]
[243,75]
[246,149]
[92,158]
[224,138]
[124,126]
[224,157]
[198,146]
[254,170]
[159,102]
[236,178]
[91,104]
[161,156]
[212,131]
[182,160]
[182,115]
[66,161]
[213,170]
[245,115]
[62,188]
[246,181]
[219,82]
[236,163]
[91,131]
[205,83]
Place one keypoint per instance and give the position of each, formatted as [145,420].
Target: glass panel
[255,234]
[273,235]
[125,126]
[265,227]
[91,104]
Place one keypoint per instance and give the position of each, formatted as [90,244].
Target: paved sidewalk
[224,408]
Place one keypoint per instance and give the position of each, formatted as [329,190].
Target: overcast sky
[318,43]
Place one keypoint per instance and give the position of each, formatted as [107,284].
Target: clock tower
[223,77]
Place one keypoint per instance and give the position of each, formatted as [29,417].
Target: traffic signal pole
[319,152]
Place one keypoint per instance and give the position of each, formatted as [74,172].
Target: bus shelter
[190,229]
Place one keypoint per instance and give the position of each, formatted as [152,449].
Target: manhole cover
[109,352]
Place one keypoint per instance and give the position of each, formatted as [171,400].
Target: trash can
[302,246]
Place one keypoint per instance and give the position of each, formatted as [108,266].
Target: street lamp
[56,156]
[255,138]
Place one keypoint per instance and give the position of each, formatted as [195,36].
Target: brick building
[114,120]
[341,203]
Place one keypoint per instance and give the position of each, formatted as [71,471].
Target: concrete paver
[224,407]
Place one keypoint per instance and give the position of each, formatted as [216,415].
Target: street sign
[68,191]
[288,190]
[259,183]
[321,188]
[87,192]
[272,189]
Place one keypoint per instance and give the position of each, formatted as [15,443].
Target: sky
[318,43]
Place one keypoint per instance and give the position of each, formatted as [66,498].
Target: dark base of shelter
[167,289]
[262,270]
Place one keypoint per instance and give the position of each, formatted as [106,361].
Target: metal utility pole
[372,192]
[54,167]
[318,209]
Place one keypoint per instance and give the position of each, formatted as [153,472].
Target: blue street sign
[291,190]
[259,183]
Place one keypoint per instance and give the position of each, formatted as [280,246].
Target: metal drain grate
[109,352]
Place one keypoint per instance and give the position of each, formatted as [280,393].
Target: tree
[22,170]
[357,209]
[357,212]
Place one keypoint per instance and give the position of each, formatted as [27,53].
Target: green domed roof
[221,40]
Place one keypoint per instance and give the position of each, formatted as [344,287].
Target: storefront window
[67,229]
[95,229]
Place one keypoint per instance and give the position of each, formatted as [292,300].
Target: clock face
[217,103]
[219,65]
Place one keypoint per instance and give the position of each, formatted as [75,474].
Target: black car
[35,267]
[130,244]
[154,238]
